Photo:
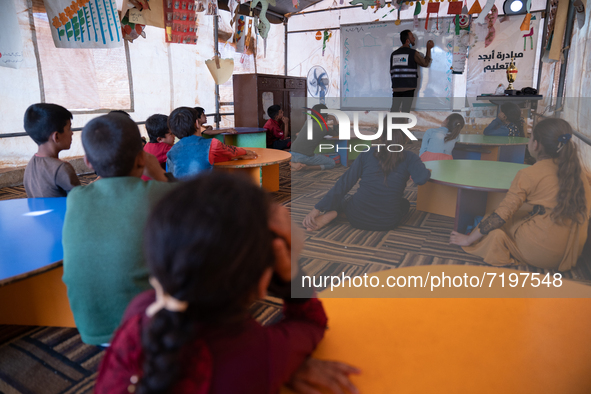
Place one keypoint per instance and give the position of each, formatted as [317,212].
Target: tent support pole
[217,87]
[568,33]
[285,46]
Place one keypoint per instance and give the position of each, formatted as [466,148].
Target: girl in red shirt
[210,258]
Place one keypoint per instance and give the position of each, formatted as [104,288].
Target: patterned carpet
[54,360]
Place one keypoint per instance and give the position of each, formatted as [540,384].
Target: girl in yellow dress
[553,233]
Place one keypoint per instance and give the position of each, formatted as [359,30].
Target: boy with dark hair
[303,155]
[277,129]
[104,266]
[161,138]
[193,153]
[50,126]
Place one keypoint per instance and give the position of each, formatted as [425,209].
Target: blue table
[31,290]
[492,148]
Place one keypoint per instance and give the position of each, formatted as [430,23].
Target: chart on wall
[84,23]
[365,64]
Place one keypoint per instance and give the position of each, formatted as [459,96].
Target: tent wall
[577,108]
[164,76]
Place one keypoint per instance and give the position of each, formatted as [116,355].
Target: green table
[464,189]
[493,148]
[244,137]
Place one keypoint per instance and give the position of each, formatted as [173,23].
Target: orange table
[461,345]
[264,170]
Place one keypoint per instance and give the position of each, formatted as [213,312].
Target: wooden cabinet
[254,93]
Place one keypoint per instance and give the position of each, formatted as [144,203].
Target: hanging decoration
[212,7]
[264,26]
[416,15]
[84,23]
[144,12]
[221,69]
[432,8]
[130,30]
[484,13]
[368,3]
[461,42]
[525,24]
[490,20]
[397,21]
[318,35]
[295,3]
[11,43]
[239,36]
[327,36]
[454,8]
[475,9]
[247,41]
[181,21]
[530,35]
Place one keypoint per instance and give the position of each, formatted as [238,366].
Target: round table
[405,343]
[31,253]
[464,189]
[264,170]
[492,148]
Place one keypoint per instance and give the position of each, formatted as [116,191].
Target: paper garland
[475,9]
[454,8]
[432,8]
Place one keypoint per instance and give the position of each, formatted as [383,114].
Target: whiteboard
[365,64]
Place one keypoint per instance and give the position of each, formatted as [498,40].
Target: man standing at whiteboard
[404,72]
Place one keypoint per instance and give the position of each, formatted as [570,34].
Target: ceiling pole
[285,46]
[217,87]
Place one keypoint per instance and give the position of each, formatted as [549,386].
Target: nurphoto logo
[394,121]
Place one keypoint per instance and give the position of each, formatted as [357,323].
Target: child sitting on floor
[439,143]
[209,261]
[104,266]
[50,126]
[552,236]
[193,153]
[508,122]
[277,129]
[379,203]
[161,138]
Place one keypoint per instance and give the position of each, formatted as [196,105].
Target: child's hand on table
[250,155]
[315,374]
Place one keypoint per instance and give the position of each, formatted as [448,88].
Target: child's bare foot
[296,166]
[459,239]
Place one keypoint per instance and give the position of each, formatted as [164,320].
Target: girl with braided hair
[553,233]
[210,258]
